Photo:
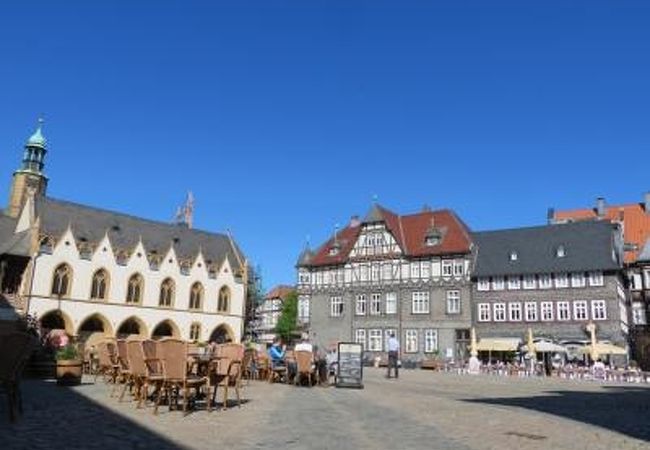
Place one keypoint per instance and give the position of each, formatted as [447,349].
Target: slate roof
[7,227]
[589,245]
[125,231]
[409,231]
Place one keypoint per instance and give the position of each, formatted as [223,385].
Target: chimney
[550,216]
[600,207]
[355,221]
[646,202]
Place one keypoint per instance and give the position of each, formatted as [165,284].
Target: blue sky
[285,118]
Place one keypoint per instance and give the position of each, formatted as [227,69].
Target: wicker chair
[107,365]
[15,349]
[174,372]
[305,367]
[226,372]
[124,371]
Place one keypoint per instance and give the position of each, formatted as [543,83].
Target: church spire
[30,175]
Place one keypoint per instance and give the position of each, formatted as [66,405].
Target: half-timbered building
[387,273]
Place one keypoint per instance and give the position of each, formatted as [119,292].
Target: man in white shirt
[393,354]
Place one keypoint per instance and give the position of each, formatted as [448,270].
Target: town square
[328,225]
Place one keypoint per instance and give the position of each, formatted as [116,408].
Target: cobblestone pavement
[420,410]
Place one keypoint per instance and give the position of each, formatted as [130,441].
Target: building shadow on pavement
[621,409]
[57,417]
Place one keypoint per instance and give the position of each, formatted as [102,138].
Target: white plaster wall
[78,306]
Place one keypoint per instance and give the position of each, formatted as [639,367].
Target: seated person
[304,345]
[276,354]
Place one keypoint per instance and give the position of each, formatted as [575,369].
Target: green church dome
[37,138]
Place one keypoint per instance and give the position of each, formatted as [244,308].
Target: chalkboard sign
[350,365]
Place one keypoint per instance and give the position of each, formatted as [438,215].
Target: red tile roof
[636,223]
[409,231]
[280,292]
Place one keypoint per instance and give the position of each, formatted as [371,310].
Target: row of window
[381,272]
[542,281]
[376,340]
[62,282]
[372,305]
[545,311]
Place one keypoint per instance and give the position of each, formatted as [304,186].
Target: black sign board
[350,365]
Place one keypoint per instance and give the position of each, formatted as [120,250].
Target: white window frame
[483,284]
[459,268]
[578,280]
[415,269]
[430,341]
[546,311]
[420,302]
[483,312]
[335,302]
[360,304]
[530,312]
[580,306]
[453,302]
[514,283]
[375,340]
[498,283]
[639,314]
[447,268]
[499,312]
[360,337]
[596,278]
[561,280]
[598,310]
[514,312]
[375,304]
[545,281]
[303,308]
[530,282]
[425,270]
[391,302]
[563,311]
[411,341]
[636,282]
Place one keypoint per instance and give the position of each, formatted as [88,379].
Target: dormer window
[514,256]
[85,251]
[431,241]
[185,267]
[122,258]
[560,252]
[333,251]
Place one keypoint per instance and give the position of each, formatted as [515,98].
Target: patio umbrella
[530,346]
[473,351]
[591,328]
[603,348]
[546,347]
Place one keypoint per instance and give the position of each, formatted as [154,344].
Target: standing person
[393,354]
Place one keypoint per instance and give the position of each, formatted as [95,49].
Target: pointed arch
[57,320]
[196,296]
[135,289]
[95,323]
[223,302]
[100,285]
[61,280]
[166,328]
[167,293]
[132,326]
[222,334]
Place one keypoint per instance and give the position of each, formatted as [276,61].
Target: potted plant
[68,366]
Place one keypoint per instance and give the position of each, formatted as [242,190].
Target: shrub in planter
[68,366]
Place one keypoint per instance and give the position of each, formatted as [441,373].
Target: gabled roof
[7,227]
[409,232]
[280,292]
[635,219]
[588,246]
[125,231]
[305,257]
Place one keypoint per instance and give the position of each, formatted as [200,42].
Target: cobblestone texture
[420,410]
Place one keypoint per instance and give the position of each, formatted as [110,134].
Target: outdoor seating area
[171,372]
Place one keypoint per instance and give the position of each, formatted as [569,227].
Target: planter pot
[68,372]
